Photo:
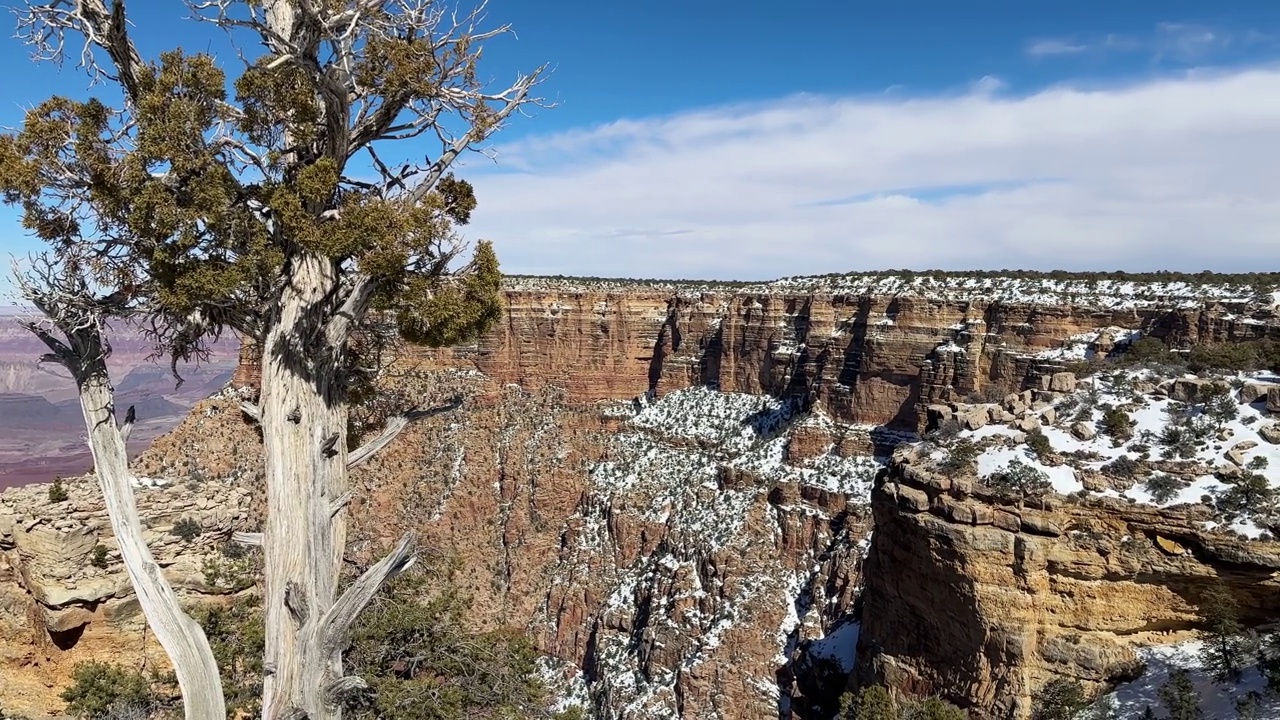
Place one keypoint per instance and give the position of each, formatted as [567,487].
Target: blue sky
[754,139]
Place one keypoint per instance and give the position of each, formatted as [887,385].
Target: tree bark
[180,636]
[303,414]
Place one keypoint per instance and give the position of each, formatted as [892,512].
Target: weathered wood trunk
[180,636]
[304,430]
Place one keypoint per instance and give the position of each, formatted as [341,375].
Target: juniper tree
[268,209]
[1226,649]
[1179,696]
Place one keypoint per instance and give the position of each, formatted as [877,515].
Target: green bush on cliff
[875,702]
[1059,699]
[99,690]
[1019,480]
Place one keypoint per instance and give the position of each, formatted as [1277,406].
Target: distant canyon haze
[42,433]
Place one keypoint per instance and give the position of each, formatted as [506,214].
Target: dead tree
[254,212]
[72,327]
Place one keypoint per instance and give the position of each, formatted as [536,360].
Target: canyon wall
[865,359]
[679,549]
[981,601]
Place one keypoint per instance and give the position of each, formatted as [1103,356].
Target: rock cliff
[668,486]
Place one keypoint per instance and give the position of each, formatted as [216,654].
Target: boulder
[973,418]
[1225,434]
[1192,390]
[1273,399]
[1236,453]
[1252,392]
[1048,416]
[1083,431]
[1063,382]
[1029,423]
[1270,433]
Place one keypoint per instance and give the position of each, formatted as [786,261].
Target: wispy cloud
[1176,173]
[1055,46]
[1185,42]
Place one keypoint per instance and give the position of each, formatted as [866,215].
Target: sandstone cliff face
[975,598]
[866,359]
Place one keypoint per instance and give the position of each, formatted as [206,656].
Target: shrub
[987,395]
[1060,699]
[1221,406]
[187,529]
[1122,467]
[1163,487]
[57,493]
[1232,356]
[1251,492]
[1258,463]
[1020,480]
[409,645]
[1039,444]
[960,456]
[932,709]
[98,558]
[1116,423]
[1226,649]
[99,688]
[1146,350]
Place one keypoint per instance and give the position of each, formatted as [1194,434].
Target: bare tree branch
[334,630]
[393,428]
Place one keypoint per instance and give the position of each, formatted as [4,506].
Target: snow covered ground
[1150,415]
[1109,294]
[1217,701]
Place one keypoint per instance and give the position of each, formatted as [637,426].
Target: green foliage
[187,529]
[1020,480]
[231,571]
[960,456]
[871,703]
[1226,649]
[57,493]
[1250,494]
[1249,706]
[1123,467]
[1146,351]
[98,558]
[422,662]
[1164,487]
[237,635]
[1059,699]
[98,688]
[1268,657]
[1235,356]
[1039,444]
[1221,405]
[1116,423]
[932,709]
[876,703]
[1179,696]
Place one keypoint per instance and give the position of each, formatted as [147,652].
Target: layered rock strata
[971,596]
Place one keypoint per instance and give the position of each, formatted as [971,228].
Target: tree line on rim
[274,206]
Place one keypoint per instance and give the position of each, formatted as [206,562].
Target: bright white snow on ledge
[841,646]
[1217,701]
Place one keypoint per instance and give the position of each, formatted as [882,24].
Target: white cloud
[1176,173]
[1052,46]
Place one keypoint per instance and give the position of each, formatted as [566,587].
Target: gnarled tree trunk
[180,636]
[304,428]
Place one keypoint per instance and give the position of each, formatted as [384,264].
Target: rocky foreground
[673,491]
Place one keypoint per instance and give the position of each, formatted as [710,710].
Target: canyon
[673,489]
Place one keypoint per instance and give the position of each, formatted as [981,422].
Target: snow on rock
[1217,701]
[840,646]
[1209,454]
[692,467]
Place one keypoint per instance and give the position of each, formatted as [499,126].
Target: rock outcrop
[971,596]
